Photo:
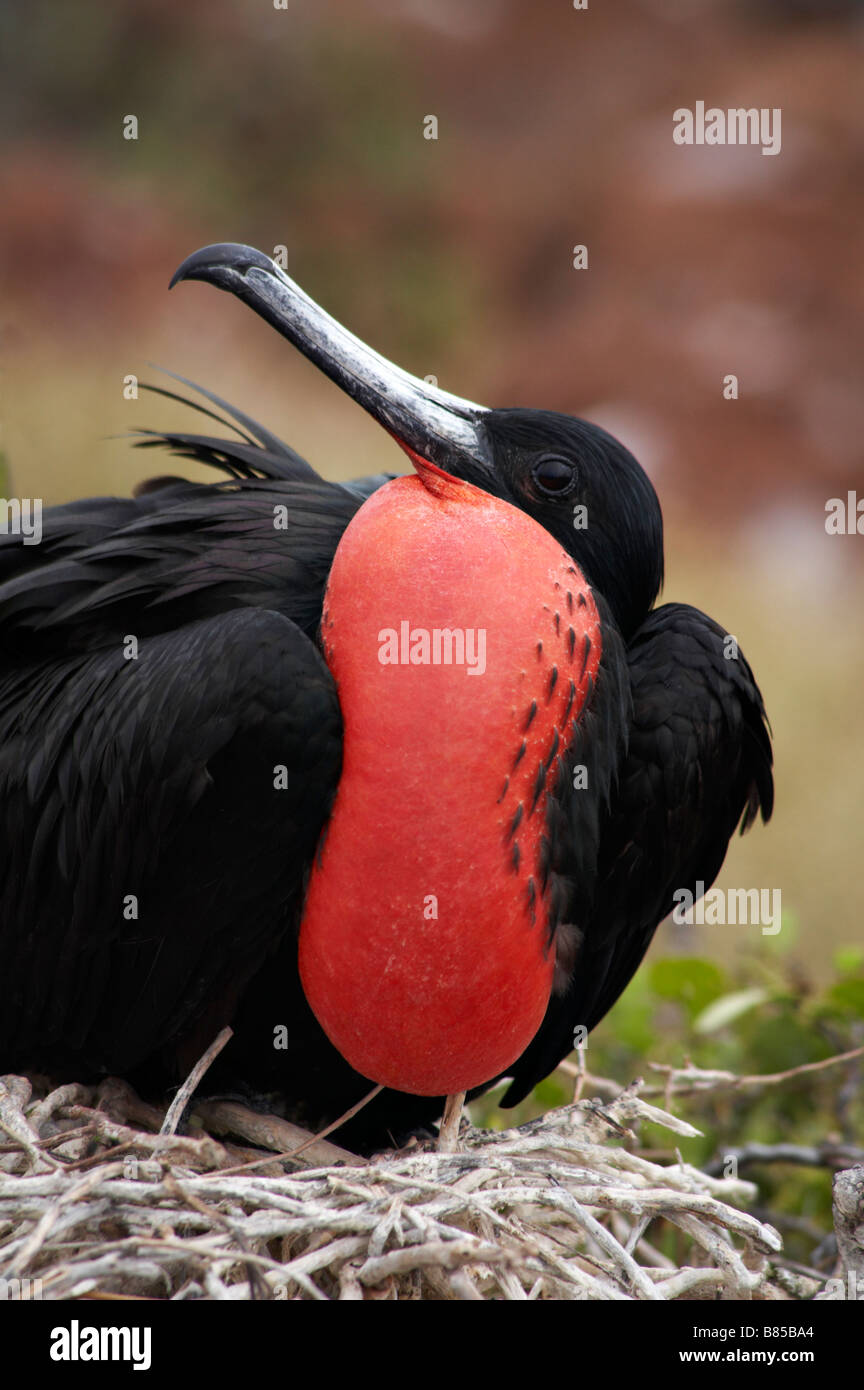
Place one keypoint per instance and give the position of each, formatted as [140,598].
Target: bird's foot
[448,1133]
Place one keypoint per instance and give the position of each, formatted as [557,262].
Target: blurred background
[303,127]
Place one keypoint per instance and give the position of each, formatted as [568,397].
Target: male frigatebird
[204,761]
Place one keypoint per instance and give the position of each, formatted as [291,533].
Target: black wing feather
[698,763]
[270,443]
[155,779]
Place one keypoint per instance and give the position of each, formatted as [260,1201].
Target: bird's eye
[554,475]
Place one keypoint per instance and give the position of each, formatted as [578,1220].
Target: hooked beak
[426,421]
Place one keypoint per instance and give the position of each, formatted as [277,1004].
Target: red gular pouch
[424,944]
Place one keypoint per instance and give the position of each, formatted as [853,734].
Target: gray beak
[445,429]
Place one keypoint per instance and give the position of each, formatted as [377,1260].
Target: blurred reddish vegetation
[304,127]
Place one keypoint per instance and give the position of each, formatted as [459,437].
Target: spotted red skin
[439,776]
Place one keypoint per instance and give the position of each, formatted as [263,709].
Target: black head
[585,488]
[573,478]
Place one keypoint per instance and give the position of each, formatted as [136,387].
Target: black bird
[161,655]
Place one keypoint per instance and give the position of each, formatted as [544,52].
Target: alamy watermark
[839,1290]
[845,515]
[735,126]
[77,1343]
[20,1290]
[437,646]
[756,907]
[21,516]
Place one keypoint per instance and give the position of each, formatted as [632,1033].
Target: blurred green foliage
[762,1015]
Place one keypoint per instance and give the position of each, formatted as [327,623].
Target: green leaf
[688,980]
[551,1093]
[848,995]
[848,960]
[723,1011]
[631,1022]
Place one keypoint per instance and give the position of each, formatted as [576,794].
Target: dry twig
[560,1208]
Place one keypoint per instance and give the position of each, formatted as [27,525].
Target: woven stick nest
[92,1205]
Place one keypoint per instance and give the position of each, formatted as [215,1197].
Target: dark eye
[554,475]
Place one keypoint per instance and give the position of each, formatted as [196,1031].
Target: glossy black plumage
[698,762]
[115,787]
[155,777]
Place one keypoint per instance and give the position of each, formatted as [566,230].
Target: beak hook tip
[222,255]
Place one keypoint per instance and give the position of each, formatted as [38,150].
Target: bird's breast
[463,641]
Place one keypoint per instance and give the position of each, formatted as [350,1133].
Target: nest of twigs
[93,1203]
